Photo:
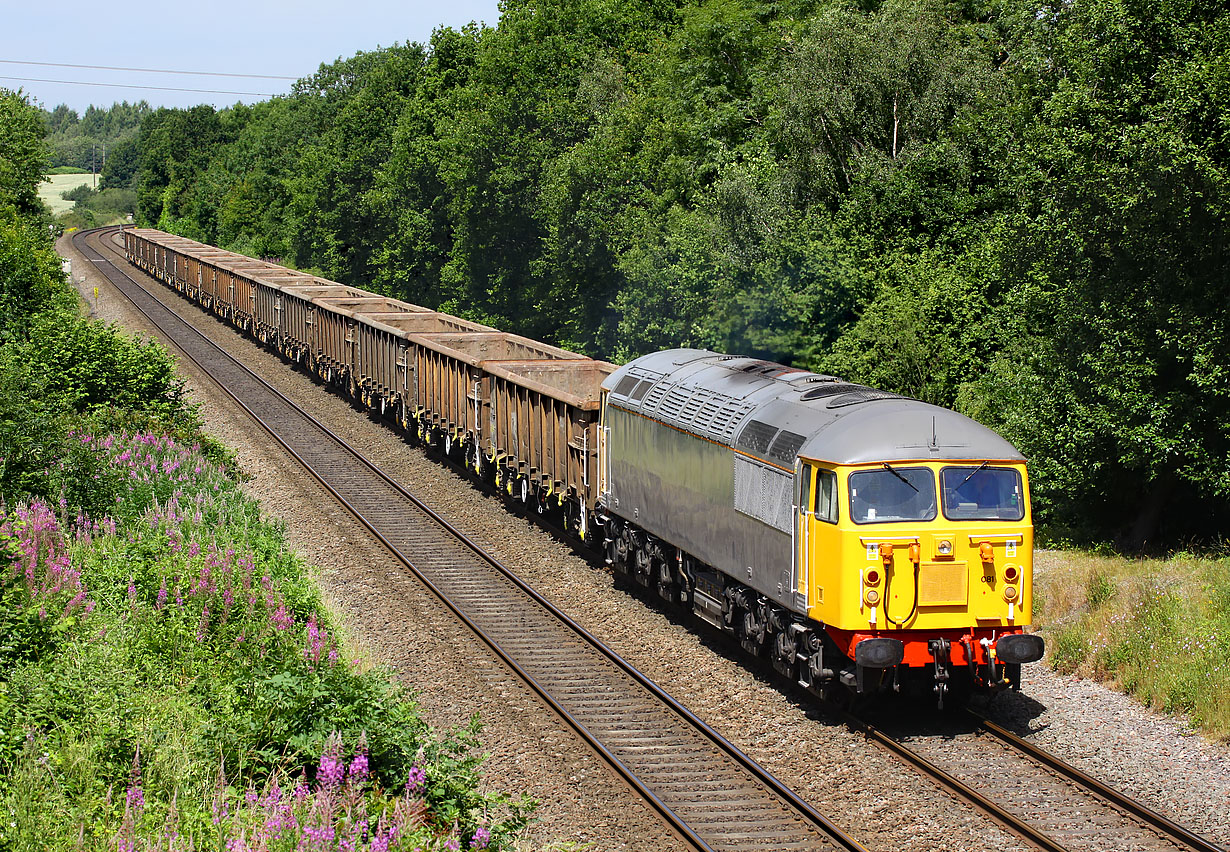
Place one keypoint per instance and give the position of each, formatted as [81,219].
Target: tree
[23,156]
[1118,380]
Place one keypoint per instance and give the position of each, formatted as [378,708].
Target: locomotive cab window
[982,494]
[826,496]
[892,494]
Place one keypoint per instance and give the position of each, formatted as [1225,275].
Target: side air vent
[763,493]
[756,436]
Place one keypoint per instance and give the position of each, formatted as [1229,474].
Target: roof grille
[728,419]
[831,389]
[756,436]
[626,384]
[863,395]
[786,446]
[651,399]
[673,405]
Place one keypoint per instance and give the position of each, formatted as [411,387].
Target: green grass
[55,184]
[1159,629]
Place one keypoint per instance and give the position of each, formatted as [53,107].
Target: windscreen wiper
[890,469]
[971,473]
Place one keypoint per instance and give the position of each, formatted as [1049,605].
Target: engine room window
[892,494]
[982,494]
[826,496]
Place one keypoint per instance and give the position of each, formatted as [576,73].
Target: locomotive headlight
[872,597]
[943,547]
[1009,593]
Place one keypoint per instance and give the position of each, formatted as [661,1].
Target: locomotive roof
[776,412]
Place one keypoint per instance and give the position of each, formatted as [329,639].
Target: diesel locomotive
[853,537]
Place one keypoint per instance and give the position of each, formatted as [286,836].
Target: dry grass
[53,185]
[1158,629]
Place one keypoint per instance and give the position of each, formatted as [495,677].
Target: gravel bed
[883,804]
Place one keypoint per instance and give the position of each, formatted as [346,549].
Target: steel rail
[762,775]
[1123,802]
[996,812]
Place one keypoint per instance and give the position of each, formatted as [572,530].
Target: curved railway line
[711,795]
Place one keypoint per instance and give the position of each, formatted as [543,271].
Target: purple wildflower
[416,780]
[331,769]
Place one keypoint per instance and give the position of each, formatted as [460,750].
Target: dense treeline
[103,140]
[1016,210]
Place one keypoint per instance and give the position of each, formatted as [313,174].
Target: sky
[274,38]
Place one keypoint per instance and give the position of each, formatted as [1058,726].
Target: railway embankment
[169,671]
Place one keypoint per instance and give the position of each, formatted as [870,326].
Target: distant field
[53,185]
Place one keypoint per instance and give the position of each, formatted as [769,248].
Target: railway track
[691,776]
[711,794]
[1030,792]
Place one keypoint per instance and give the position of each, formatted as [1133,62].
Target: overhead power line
[134,86]
[148,70]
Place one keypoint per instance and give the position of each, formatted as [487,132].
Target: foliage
[1114,375]
[30,277]
[23,157]
[74,370]
[95,208]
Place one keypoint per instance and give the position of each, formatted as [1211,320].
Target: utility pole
[93,173]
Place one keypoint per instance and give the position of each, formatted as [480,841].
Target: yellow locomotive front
[921,564]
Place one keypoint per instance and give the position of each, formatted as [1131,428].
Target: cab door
[817,541]
[805,476]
